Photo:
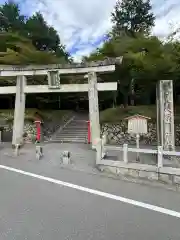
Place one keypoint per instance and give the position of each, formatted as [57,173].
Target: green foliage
[118,114]
[132,16]
[26,41]
[16,50]
[146,60]
[42,37]
[10,18]
[8,114]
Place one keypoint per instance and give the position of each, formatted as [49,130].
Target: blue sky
[83,24]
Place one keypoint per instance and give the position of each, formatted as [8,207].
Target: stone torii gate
[53,72]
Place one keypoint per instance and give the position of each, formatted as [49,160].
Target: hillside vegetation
[146,59]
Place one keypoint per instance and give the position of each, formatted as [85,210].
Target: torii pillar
[19,111]
[93,108]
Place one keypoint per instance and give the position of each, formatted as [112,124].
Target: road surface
[50,203]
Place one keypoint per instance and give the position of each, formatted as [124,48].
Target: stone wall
[48,128]
[29,132]
[117,134]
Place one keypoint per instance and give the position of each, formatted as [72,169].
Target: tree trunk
[132,91]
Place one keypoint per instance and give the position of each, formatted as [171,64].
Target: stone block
[166,178]
[100,168]
[153,176]
[66,157]
[122,171]
[177,180]
[17,149]
[148,175]
[143,174]
[133,173]
[108,169]
[112,170]
[39,152]
[177,187]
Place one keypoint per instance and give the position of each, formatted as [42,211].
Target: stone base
[66,158]
[66,161]
[19,147]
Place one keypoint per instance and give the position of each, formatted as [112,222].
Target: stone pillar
[166,107]
[19,112]
[158,124]
[93,108]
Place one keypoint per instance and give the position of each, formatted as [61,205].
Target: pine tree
[132,16]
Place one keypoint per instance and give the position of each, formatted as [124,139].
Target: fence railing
[102,149]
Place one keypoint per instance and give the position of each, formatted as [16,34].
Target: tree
[35,28]
[28,40]
[146,60]
[15,49]
[10,17]
[44,37]
[132,16]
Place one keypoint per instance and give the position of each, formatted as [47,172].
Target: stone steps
[69,140]
[76,131]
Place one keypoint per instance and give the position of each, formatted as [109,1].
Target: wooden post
[125,153]
[137,146]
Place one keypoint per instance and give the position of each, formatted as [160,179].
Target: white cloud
[80,22]
[168,17]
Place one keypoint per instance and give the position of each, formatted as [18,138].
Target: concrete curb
[129,179]
[165,175]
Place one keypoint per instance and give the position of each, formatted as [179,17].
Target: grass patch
[8,114]
[118,114]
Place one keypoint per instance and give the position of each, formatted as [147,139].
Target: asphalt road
[32,208]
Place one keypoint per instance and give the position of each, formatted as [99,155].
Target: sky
[82,24]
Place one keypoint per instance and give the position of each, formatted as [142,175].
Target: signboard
[137,124]
[53,79]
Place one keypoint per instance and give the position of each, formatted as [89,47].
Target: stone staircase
[75,130]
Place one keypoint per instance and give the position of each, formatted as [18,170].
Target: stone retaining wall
[48,128]
[166,175]
[117,134]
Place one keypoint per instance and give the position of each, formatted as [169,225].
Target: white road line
[96,192]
